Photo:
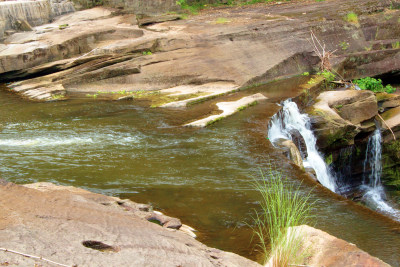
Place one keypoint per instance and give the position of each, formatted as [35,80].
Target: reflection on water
[202,176]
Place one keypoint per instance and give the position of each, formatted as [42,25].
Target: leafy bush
[374,85]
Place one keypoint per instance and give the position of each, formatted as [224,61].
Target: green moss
[214,121]
[246,106]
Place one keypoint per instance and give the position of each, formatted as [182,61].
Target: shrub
[282,207]
[374,85]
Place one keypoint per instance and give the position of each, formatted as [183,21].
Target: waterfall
[284,123]
[374,192]
[373,160]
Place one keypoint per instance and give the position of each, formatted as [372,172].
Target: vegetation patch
[282,207]
[351,18]
[215,120]
[374,85]
[246,106]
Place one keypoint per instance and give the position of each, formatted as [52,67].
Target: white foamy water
[284,123]
[45,141]
[374,192]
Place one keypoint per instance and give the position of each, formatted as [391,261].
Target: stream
[202,176]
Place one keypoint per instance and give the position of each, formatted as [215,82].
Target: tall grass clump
[283,206]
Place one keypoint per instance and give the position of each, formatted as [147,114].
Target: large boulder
[328,251]
[338,116]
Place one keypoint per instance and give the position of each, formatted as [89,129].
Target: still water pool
[202,176]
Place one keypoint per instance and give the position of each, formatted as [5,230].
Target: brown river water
[202,176]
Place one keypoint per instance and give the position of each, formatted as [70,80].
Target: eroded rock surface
[73,226]
[254,44]
[327,250]
[338,116]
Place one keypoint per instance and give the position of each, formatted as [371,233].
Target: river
[202,176]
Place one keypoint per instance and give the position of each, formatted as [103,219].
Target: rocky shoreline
[76,227]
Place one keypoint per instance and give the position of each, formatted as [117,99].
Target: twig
[35,257]
[390,129]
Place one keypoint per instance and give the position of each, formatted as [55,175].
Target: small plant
[338,107]
[306,73]
[396,45]
[328,75]
[63,26]
[344,45]
[246,106]
[147,53]
[94,96]
[374,85]
[282,208]
[352,18]
[214,120]
[222,20]
[312,81]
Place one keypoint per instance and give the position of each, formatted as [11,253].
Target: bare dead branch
[35,257]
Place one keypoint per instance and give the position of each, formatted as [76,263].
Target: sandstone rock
[292,152]
[387,101]
[338,116]
[392,119]
[327,250]
[228,108]
[245,51]
[74,226]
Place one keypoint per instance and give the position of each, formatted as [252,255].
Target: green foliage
[63,26]
[312,81]
[351,17]
[246,106]
[328,76]
[374,85]
[344,45]
[214,120]
[148,53]
[306,73]
[396,45]
[282,207]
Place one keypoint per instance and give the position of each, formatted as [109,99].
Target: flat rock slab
[228,108]
[207,90]
[75,227]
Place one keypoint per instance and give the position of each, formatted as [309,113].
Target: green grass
[282,207]
[351,17]
[248,105]
[214,121]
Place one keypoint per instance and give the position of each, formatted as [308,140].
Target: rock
[387,101]
[95,230]
[324,249]
[392,120]
[338,116]
[146,21]
[228,108]
[190,52]
[293,152]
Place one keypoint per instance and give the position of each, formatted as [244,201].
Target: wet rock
[338,116]
[293,152]
[387,101]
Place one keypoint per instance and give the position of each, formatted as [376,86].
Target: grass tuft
[283,206]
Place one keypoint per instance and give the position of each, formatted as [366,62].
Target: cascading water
[290,119]
[374,192]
